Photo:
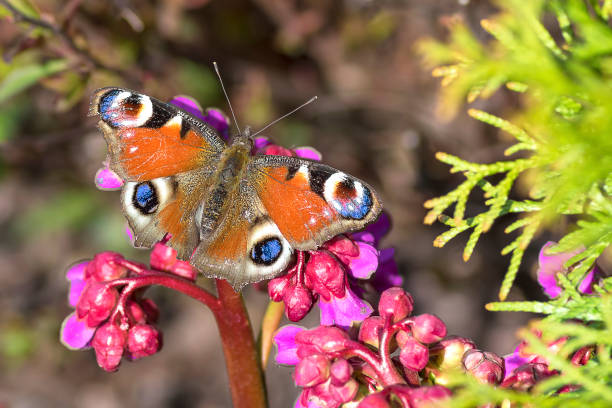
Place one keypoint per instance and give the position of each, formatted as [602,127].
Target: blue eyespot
[356,208]
[145,198]
[106,101]
[266,252]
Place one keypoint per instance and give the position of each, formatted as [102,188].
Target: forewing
[149,139]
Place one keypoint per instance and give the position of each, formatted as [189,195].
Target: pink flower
[549,265]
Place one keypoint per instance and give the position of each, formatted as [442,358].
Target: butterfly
[233,215]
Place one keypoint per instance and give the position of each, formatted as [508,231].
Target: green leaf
[23,77]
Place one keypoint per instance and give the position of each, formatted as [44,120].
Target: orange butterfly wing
[149,139]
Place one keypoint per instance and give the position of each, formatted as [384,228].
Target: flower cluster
[394,357]
[111,315]
[336,274]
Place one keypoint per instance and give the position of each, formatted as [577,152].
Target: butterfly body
[233,215]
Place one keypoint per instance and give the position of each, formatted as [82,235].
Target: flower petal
[75,334]
[364,265]
[344,311]
[387,275]
[188,104]
[107,180]
[286,347]
[548,266]
[513,361]
[217,119]
[308,152]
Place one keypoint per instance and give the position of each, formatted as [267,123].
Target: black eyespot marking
[145,198]
[266,251]
[159,117]
[185,127]
[317,180]
[292,170]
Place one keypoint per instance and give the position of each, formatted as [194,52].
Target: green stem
[240,350]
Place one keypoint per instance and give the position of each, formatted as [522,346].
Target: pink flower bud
[423,397]
[185,270]
[326,339]
[109,342]
[143,340]
[150,309]
[449,352]
[276,288]
[341,371]
[342,247]
[105,267]
[427,328]
[486,367]
[96,303]
[298,302]
[582,356]
[136,312]
[325,275]
[526,376]
[371,330]
[312,370]
[377,400]
[396,304]
[162,257]
[414,355]
[345,392]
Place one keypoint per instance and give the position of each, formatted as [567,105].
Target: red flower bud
[396,304]
[485,366]
[342,247]
[428,329]
[582,356]
[298,302]
[136,312]
[312,370]
[341,371]
[109,342]
[377,400]
[185,270]
[276,288]
[327,339]
[526,376]
[371,330]
[276,150]
[143,340]
[162,257]
[105,267]
[325,274]
[96,303]
[414,355]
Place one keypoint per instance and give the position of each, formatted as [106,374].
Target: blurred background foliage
[378,117]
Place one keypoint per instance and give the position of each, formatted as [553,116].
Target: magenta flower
[111,315]
[549,265]
[331,364]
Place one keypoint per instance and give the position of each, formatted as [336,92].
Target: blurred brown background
[375,118]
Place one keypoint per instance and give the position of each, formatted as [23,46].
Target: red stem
[392,376]
[241,357]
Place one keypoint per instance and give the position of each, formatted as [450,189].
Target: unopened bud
[428,328]
[109,342]
[396,304]
[486,367]
[414,355]
[105,267]
[341,371]
[143,340]
[371,330]
[312,370]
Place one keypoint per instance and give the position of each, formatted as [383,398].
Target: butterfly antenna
[226,97]
[311,100]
